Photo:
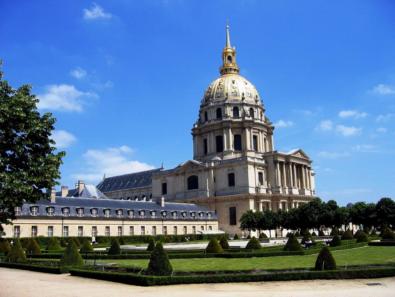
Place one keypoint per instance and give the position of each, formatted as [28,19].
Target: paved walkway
[21,283]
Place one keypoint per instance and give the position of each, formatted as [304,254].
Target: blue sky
[125,79]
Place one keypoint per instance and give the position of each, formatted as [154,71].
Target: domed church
[235,167]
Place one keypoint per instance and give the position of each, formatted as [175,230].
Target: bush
[347,235]
[334,231]
[361,236]
[358,233]
[224,243]
[32,247]
[373,233]
[249,236]
[297,233]
[71,256]
[235,237]
[335,241]
[86,247]
[292,244]
[387,234]
[76,241]
[5,246]
[253,244]
[214,247]
[325,260]
[16,254]
[53,244]
[262,236]
[321,233]
[114,249]
[151,245]
[314,234]
[159,263]
[122,240]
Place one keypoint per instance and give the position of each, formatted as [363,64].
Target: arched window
[251,112]
[236,113]
[219,113]
[193,182]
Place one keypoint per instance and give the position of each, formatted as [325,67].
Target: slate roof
[127,181]
[89,191]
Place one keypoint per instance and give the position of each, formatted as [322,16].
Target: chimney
[53,195]
[162,201]
[64,190]
[80,186]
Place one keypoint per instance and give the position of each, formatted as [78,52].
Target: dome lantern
[229,65]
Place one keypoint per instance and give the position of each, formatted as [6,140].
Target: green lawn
[357,256]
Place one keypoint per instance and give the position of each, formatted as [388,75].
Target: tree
[159,263]
[16,254]
[115,248]
[29,165]
[71,256]
[53,244]
[249,221]
[325,260]
[214,247]
[385,211]
[268,221]
[32,247]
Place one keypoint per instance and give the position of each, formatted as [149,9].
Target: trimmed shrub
[32,247]
[115,249]
[76,241]
[71,256]
[297,233]
[347,235]
[159,263]
[387,234]
[321,233]
[224,243]
[121,240]
[86,247]
[325,260]
[214,247]
[235,237]
[335,241]
[151,245]
[373,233]
[334,232]
[253,244]
[249,236]
[5,246]
[16,254]
[314,234]
[292,244]
[305,232]
[53,244]
[262,236]
[358,233]
[361,236]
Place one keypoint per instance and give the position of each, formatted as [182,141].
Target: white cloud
[382,89]
[110,161]
[332,155]
[63,138]
[352,114]
[381,130]
[325,125]
[78,73]
[283,124]
[63,98]
[381,118]
[96,12]
[366,148]
[348,130]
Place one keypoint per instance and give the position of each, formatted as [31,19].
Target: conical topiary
[292,244]
[253,244]
[5,246]
[214,247]
[86,247]
[115,249]
[235,237]
[151,244]
[224,243]
[347,235]
[387,234]
[32,247]
[53,244]
[16,254]
[71,256]
[159,263]
[334,231]
[262,236]
[335,241]
[362,237]
[325,260]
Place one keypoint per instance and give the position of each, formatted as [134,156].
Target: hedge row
[34,267]
[142,280]
[383,243]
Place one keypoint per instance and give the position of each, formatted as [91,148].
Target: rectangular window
[120,231]
[175,230]
[185,230]
[202,228]
[154,230]
[219,143]
[34,231]
[255,142]
[237,142]
[232,216]
[210,228]
[164,188]
[205,146]
[164,231]
[193,229]
[50,231]
[80,231]
[142,230]
[17,231]
[65,231]
[231,179]
[260,178]
[94,231]
[284,205]
[107,231]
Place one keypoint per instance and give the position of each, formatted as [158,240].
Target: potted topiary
[16,254]
[159,263]
[325,260]
[224,243]
[71,256]
[214,247]
[115,248]
[253,244]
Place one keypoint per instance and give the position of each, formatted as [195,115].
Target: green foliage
[16,254]
[362,237]
[5,246]
[335,241]
[325,260]
[248,236]
[314,234]
[262,236]
[115,248]
[151,245]
[334,231]
[86,247]
[385,212]
[32,247]
[253,244]
[71,256]
[321,233]
[347,235]
[53,244]
[292,244]
[29,165]
[121,240]
[387,234]
[76,241]
[249,221]
[214,247]
[159,263]
[224,243]
[235,237]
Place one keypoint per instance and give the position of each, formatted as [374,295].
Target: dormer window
[193,214]
[130,213]
[50,211]
[94,212]
[142,213]
[183,214]
[66,211]
[201,214]
[164,214]
[119,213]
[18,211]
[174,214]
[153,214]
[80,212]
[34,210]
[209,215]
[107,213]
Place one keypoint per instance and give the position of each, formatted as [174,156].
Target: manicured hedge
[142,280]
[34,267]
[383,243]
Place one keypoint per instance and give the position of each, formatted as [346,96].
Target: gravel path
[21,283]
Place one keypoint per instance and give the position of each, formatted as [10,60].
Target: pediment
[299,153]
[190,165]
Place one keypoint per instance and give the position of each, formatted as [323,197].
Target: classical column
[296,176]
[278,174]
[285,175]
[303,177]
[260,205]
[291,180]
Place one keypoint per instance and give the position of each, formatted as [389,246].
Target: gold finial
[228,37]
[229,64]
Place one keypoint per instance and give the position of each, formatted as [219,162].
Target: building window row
[235,113]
